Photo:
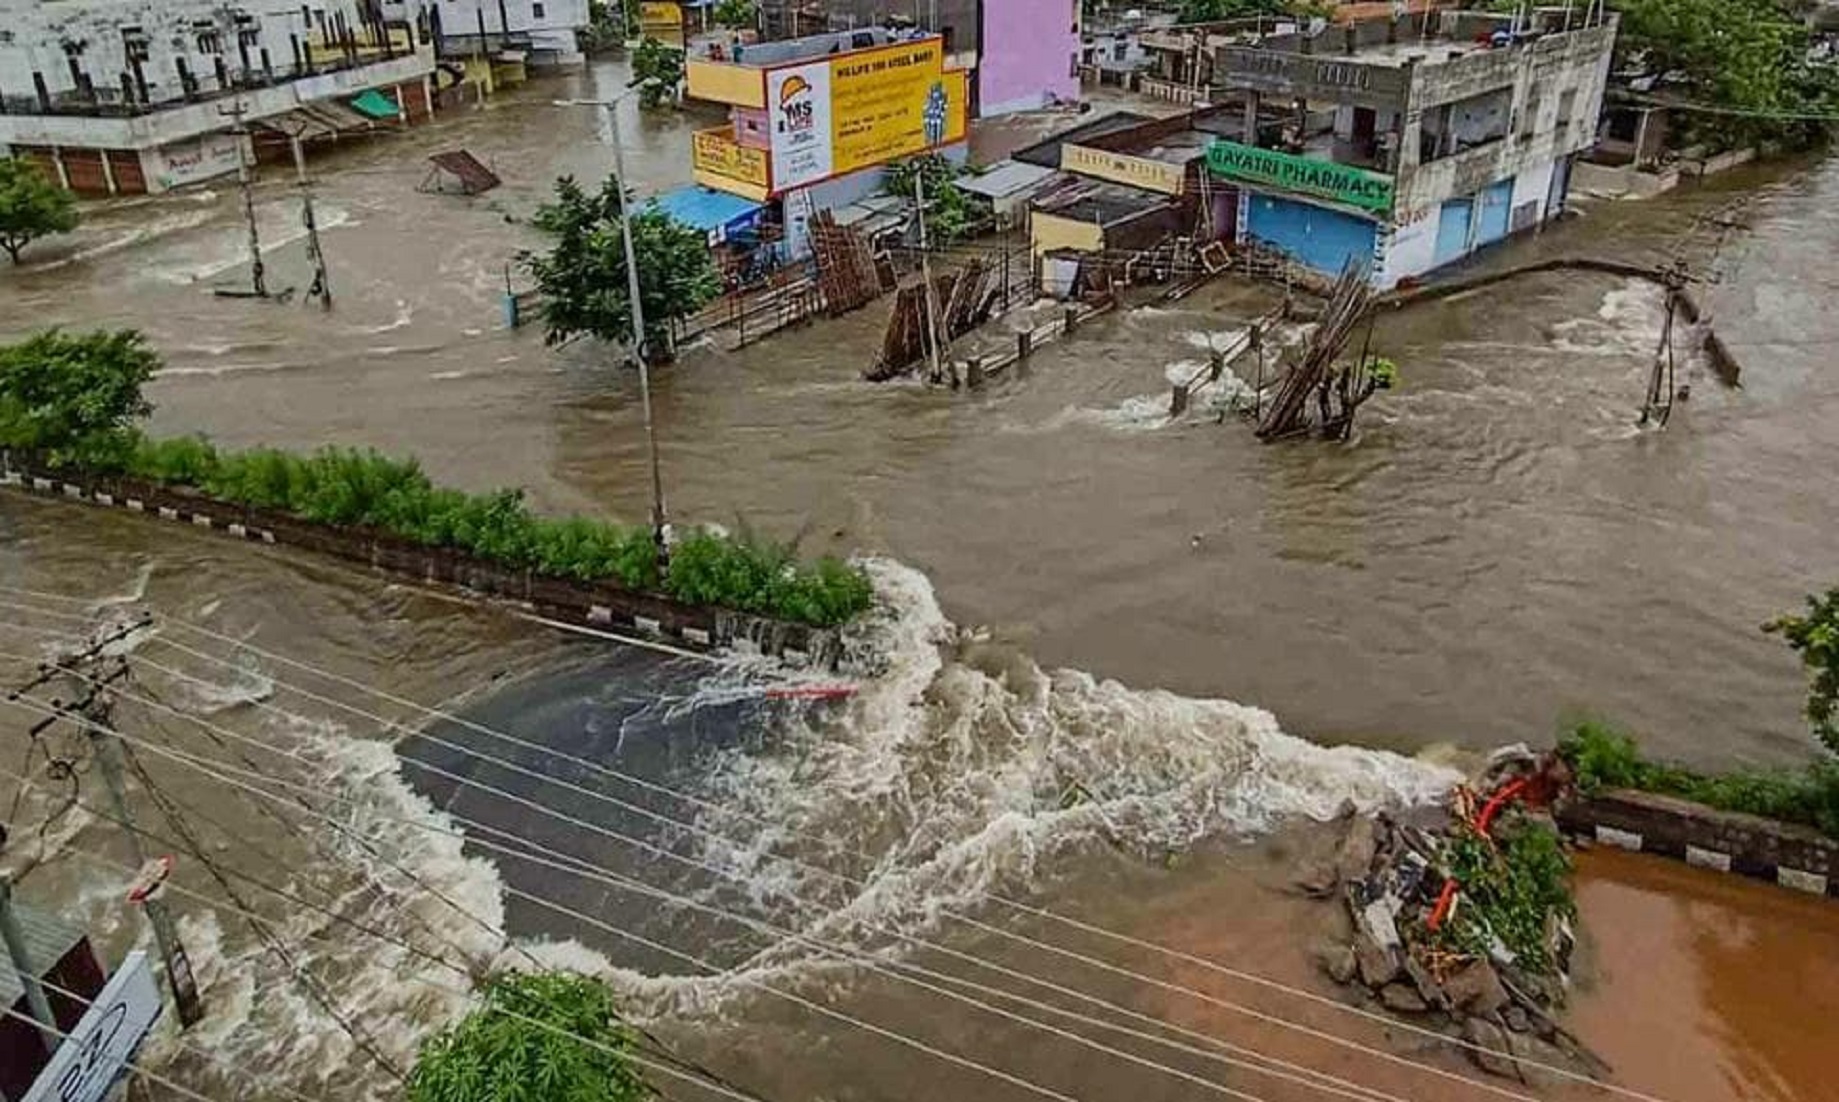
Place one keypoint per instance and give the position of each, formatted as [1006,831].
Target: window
[1567,107]
[536,11]
[1529,114]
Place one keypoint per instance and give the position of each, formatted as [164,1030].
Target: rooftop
[1046,153]
[766,55]
[1104,203]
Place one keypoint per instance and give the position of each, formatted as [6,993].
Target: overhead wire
[1280,1068]
[1049,947]
[572,864]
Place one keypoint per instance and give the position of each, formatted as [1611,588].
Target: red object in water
[151,876]
[811,692]
[1445,900]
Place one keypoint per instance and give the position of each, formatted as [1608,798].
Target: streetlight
[659,519]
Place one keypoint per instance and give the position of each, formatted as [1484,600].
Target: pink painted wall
[1028,53]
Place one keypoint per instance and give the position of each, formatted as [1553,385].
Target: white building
[129,96]
[546,31]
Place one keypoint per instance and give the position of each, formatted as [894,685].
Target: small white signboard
[89,1061]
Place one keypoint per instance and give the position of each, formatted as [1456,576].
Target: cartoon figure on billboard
[935,113]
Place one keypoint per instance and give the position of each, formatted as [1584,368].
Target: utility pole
[258,282]
[321,287]
[26,967]
[932,313]
[660,517]
[94,711]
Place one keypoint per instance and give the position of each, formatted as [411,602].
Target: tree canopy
[1747,61]
[1815,637]
[31,206]
[1213,11]
[657,70]
[59,390]
[582,279]
[737,13]
[535,1037]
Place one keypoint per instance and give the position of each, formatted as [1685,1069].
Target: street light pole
[660,517]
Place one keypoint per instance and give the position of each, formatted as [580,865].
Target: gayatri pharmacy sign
[1355,187]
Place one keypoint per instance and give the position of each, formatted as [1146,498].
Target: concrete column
[63,174]
[1251,118]
[108,174]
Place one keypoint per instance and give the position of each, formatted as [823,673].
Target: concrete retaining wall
[586,604]
[1793,856]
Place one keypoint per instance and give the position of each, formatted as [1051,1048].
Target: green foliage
[657,70]
[737,13]
[541,1037]
[1815,637]
[1213,11]
[607,26]
[31,206]
[1383,372]
[1747,57]
[755,576]
[1512,887]
[950,216]
[583,277]
[1603,757]
[61,392]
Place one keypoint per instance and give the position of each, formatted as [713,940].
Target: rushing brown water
[1498,547]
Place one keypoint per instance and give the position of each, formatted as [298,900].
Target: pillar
[108,174]
[1251,118]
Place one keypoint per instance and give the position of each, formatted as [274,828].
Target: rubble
[1461,916]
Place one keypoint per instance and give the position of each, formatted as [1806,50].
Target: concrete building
[813,121]
[545,31]
[1409,143]
[129,96]
[1021,54]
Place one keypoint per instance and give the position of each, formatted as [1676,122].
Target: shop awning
[374,104]
[716,213]
[318,120]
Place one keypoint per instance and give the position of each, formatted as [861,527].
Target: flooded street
[1499,548]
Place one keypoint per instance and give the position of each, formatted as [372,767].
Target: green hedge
[361,488]
[1603,757]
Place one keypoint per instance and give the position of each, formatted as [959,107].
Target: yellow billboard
[724,164]
[863,109]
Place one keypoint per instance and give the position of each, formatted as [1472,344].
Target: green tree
[1747,59]
[583,277]
[1815,637]
[657,70]
[535,1037]
[950,216]
[737,13]
[60,392]
[31,206]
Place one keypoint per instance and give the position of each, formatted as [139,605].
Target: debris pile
[1461,916]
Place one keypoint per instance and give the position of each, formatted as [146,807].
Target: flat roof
[1005,178]
[1105,203]
[1046,153]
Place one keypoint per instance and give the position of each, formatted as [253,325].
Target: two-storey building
[1409,143]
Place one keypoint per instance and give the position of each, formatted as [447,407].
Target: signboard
[1122,168]
[717,154]
[93,1056]
[1310,76]
[798,100]
[862,109]
[1356,187]
[190,162]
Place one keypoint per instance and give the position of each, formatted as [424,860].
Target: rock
[1534,1057]
[1516,1019]
[1425,983]
[1338,961]
[1318,879]
[1379,921]
[1477,990]
[1378,964]
[1358,847]
[1402,998]
[1490,1053]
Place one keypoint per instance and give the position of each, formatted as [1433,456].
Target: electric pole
[94,711]
[25,966]
[257,279]
[321,287]
[931,295]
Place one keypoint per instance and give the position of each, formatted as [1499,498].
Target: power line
[218,905]
[1313,1075]
[573,867]
[975,923]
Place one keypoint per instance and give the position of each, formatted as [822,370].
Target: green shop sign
[1342,183]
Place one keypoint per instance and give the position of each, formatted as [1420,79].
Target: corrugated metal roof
[48,938]
[1005,178]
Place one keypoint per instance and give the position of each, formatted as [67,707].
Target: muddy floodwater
[1083,596]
